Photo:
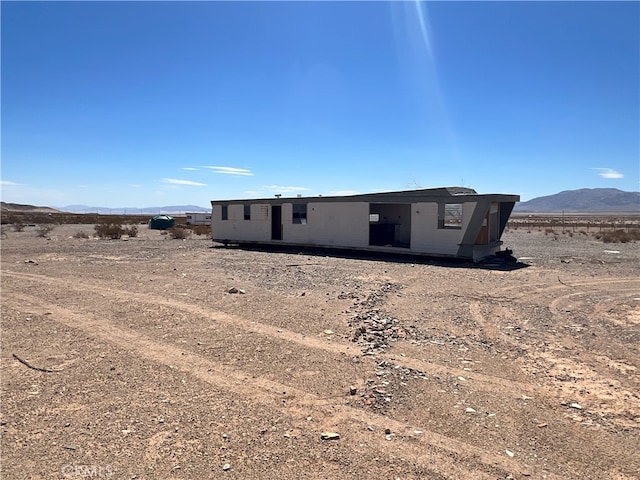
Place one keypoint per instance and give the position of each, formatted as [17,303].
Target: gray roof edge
[455,194]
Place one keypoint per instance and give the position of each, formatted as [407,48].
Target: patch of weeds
[201,229]
[179,232]
[618,236]
[112,231]
[44,230]
[131,230]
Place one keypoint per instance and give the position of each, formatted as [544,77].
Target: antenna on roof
[278,195]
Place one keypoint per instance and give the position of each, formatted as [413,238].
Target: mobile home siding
[329,224]
[426,237]
[258,229]
[452,221]
[198,218]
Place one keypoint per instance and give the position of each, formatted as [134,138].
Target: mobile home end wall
[426,237]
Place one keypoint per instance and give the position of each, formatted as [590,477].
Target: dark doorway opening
[390,224]
[276,222]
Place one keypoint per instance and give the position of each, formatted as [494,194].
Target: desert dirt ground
[131,359]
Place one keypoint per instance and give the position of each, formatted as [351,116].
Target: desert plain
[156,358]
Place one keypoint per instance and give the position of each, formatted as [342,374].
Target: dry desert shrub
[618,236]
[131,230]
[201,229]
[115,231]
[80,234]
[112,231]
[18,227]
[44,230]
[179,232]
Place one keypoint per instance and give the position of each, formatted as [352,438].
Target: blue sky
[167,103]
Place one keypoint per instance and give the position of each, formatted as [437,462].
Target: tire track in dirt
[299,403]
[441,448]
[484,382]
[253,326]
[528,290]
[590,387]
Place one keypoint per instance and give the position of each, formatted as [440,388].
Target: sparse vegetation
[131,230]
[201,229]
[618,236]
[18,227]
[113,231]
[179,232]
[44,230]
[80,234]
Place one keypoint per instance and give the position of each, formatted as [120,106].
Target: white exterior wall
[338,224]
[198,218]
[426,237]
[258,229]
[331,224]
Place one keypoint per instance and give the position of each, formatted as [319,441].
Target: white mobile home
[199,218]
[450,222]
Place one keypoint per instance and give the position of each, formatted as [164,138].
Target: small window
[225,212]
[450,215]
[247,212]
[300,213]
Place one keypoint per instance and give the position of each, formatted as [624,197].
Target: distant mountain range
[170,210]
[18,207]
[585,200]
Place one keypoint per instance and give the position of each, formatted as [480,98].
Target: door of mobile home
[276,222]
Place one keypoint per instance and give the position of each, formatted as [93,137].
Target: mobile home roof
[445,194]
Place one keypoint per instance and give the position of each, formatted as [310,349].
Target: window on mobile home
[247,212]
[224,212]
[450,215]
[300,213]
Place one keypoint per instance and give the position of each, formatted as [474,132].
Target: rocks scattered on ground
[375,330]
